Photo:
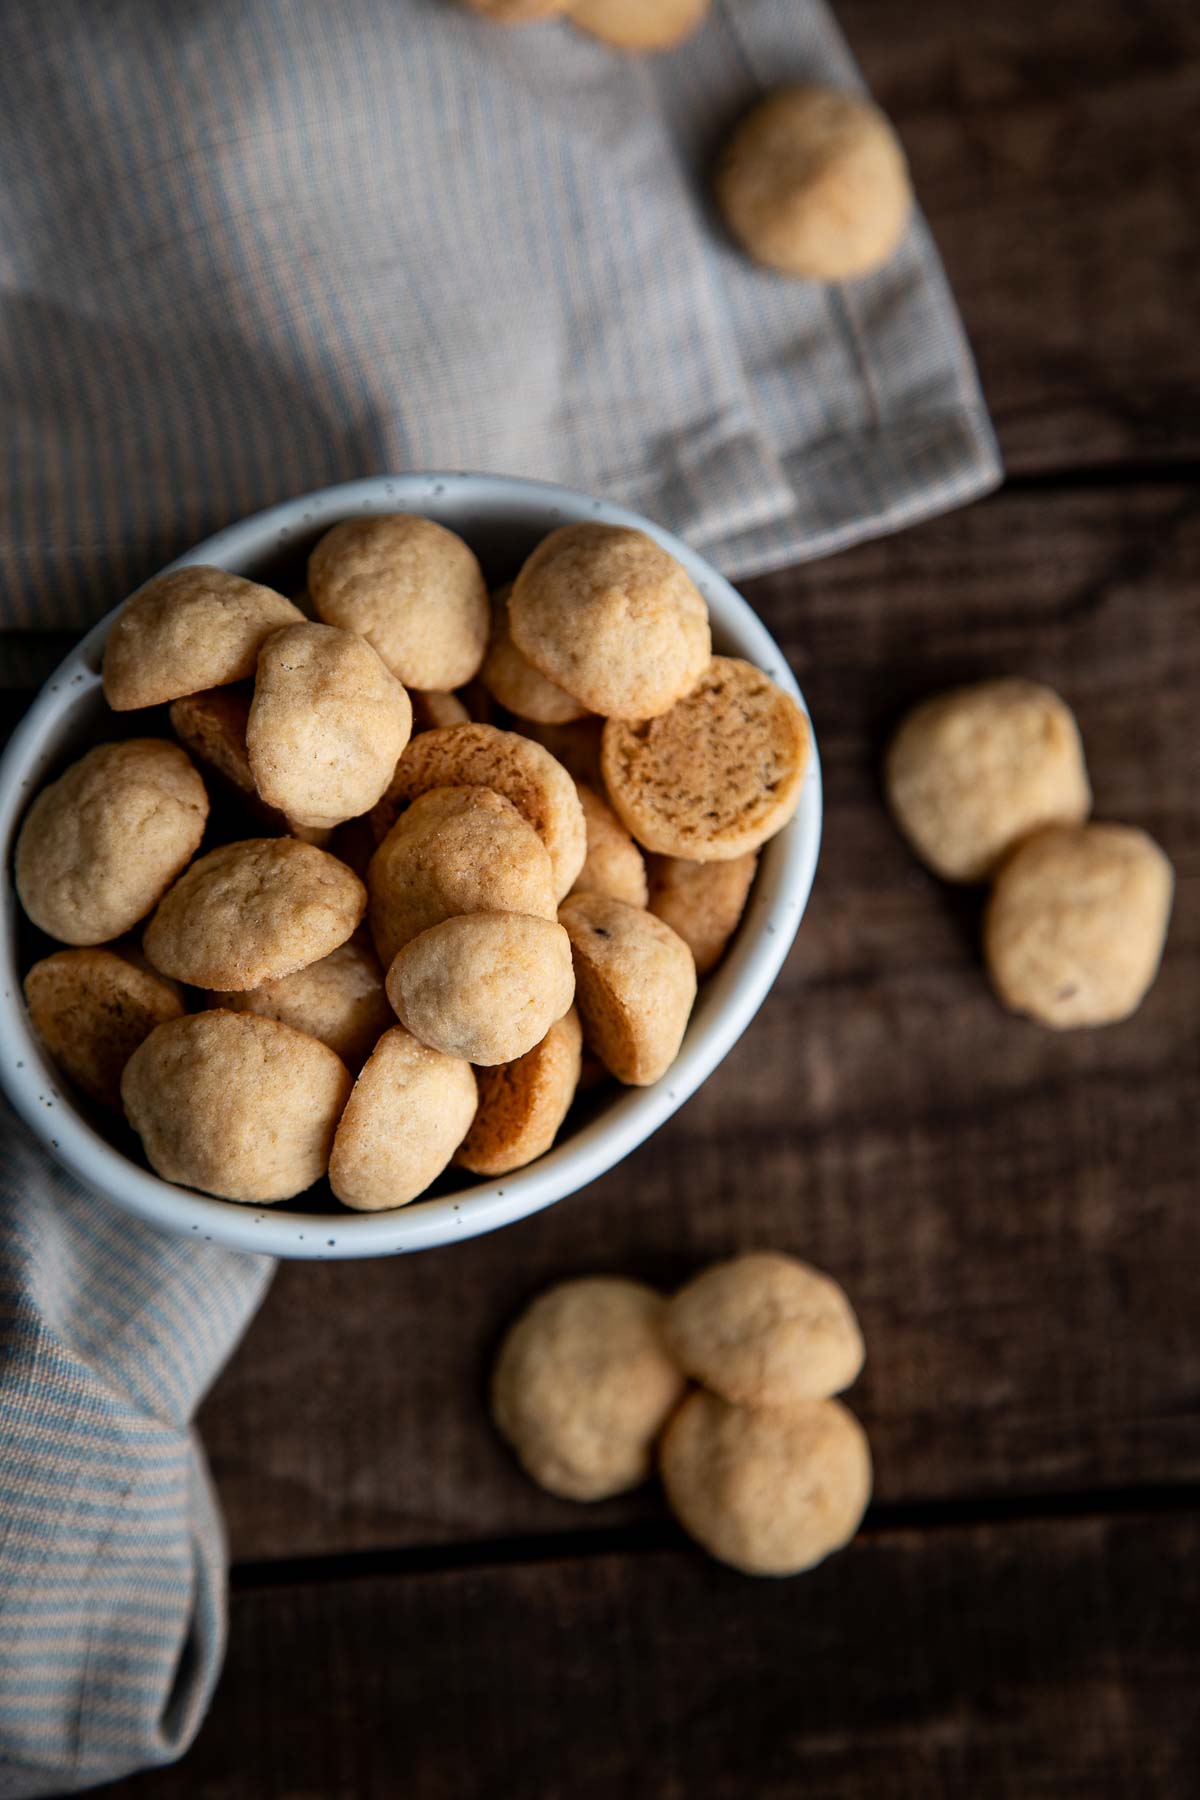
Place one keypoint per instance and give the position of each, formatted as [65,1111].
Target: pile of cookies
[989,783]
[495,836]
[761,1465]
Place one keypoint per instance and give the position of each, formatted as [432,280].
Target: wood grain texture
[1049,151]
[1035,1662]
[1012,1211]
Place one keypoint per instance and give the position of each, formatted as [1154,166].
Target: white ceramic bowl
[502,518]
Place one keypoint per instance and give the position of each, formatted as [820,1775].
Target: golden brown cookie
[523,1103]
[717,775]
[410,587]
[235,1105]
[487,986]
[613,864]
[481,756]
[101,845]
[765,1330]
[250,912]
[576,746]
[433,710]
[194,628]
[212,727]
[583,1385]
[1076,923]
[973,771]
[91,1009]
[607,614]
[327,724]
[456,850]
[703,902]
[635,982]
[814,183]
[639,25]
[340,1000]
[512,680]
[410,1109]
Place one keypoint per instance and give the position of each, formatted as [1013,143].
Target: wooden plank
[1047,144]
[1012,1211]
[1035,1662]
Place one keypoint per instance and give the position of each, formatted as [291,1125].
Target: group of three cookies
[502,898]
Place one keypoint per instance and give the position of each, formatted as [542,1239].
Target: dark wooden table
[1014,1213]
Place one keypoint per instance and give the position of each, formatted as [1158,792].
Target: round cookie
[635,983]
[512,680]
[212,727]
[814,183]
[703,902]
[327,724]
[101,845]
[583,1385]
[91,1009]
[769,1493]
[1076,923]
[765,1330]
[613,864]
[410,1109]
[607,614]
[481,756]
[194,628]
[456,850]
[235,1105]
[639,24]
[523,1103]
[717,775]
[518,12]
[410,587]
[339,1000]
[486,986]
[431,710]
[253,911]
[973,771]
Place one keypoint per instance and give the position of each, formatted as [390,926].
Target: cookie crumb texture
[91,1009]
[195,628]
[583,1385]
[635,984]
[523,1103]
[718,774]
[484,986]
[1076,923]
[410,1109]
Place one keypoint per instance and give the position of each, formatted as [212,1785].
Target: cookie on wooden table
[92,1008]
[486,986]
[410,1109]
[195,628]
[101,845]
[512,679]
[717,775]
[635,985]
[340,999]
[523,1103]
[703,902]
[614,864]
[639,25]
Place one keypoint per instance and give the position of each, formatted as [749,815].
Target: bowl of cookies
[396,862]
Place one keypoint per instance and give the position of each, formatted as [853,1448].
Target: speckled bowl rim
[728,1002]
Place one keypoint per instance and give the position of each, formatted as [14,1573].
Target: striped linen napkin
[250,249]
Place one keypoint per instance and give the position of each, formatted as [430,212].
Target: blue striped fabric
[252,247]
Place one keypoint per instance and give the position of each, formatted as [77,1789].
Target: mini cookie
[327,724]
[481,756]
[639,24]
[339,1000]
[814,183]
[235,1105]
[1076,923]
[432,710]
[456,850]
[195,628]
[765,1330]
[716,776]
[609,616]
[212,725]
[613,864]
[514,681]
[104,842]
[523,1103]
[91,1009]
[703,902]
[250,912]
[410,1109]
[769,1493]
[583,1385]
[636,982]
[413,589]
[487,986]
[972,772]
[576,746]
